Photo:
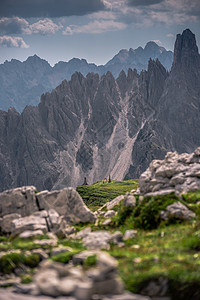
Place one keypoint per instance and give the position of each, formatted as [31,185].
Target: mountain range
[96,126]
[23,83]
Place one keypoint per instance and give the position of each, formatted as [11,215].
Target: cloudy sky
[92,29]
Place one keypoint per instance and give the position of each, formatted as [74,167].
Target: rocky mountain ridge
[22,83]
[85,127]
[99,126]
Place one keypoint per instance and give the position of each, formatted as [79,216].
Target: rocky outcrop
[179,173]
[20,201]
[23,209]
[6,222]
[177,211]
[55,279]
[109,205]
[129,200]
[68,203]
[41,220]
[173,126]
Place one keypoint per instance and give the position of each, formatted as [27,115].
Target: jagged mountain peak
[22,83]
[92,126]
[151,45]
[36,59]
[77,75]
[186,50]
[152,64]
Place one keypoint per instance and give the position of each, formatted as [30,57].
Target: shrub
[90,260]
[146,215]
[149,217]
[9,262]
[191,197]
[124,212]
[192,242]
[25,279]
[64,257]
[32,260]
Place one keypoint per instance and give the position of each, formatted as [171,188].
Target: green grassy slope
[160,250]
[97,194]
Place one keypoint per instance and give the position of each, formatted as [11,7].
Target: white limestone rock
[178,173]
[129,200]
[6,222]
[110,213]
[68,203]
[129,234]
[177,210]
[21,201]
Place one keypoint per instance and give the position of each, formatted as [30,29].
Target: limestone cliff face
[85,128]
[175,124]
[96,126]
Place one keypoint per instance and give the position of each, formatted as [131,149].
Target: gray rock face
[6,222]
[29,233]
[79,130]
[95,126]
[97,240]
[172,128]
[18,201]
[157,288]
[56,279]
[177,210]
[109,214]
[109,205]
[176,173]
[129,234]
[9,294]
[45,211]
[36,221]
[129,200]
[69,204]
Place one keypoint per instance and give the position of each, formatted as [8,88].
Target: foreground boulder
[178,211]
[19,201]
[25,201]
[178,173]
[41,220]
[5,222]
[56,279]
[68,203]
[129,200]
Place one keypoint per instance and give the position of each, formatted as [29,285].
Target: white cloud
[44,27]
[118,16]
[13,25]
[95,27]
[12,42]
[17,25]
[163,12]
[104,15]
